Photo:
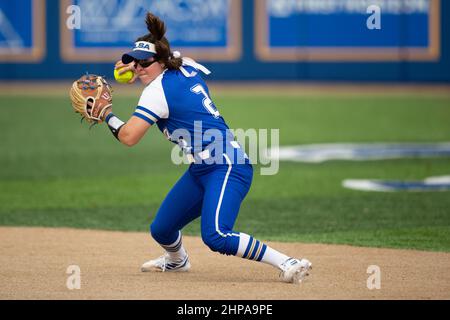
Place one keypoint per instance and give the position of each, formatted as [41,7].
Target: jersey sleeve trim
[144,114]
[150,114]
[143,118]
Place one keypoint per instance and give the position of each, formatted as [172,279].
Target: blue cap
[142,51]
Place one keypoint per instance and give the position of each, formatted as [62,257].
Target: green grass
[55,172]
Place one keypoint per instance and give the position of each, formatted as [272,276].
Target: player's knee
[158,232]
[214,241]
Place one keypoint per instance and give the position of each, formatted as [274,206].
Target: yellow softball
[124,77]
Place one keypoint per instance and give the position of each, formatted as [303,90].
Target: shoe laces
[286,264]
[164,259]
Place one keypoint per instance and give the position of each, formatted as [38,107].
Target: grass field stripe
[219,204]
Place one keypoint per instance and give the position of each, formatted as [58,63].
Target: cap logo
[144,46]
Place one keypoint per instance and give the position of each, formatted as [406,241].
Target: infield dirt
[34,262]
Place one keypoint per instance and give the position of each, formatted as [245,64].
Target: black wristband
[114,124]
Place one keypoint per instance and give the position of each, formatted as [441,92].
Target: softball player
[177,100]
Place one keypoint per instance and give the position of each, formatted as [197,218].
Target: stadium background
[232,38]
[319,78]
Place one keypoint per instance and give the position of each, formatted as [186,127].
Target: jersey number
[207,102]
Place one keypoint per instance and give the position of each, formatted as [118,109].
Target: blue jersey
[179,102]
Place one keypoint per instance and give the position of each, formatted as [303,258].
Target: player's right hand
[122,68]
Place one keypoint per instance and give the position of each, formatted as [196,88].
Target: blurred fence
[315,40]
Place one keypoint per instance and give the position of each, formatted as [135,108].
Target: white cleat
[294,270]
[165,264]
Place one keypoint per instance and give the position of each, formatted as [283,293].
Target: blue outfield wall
[236,39]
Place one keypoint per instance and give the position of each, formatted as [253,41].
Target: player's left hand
[122,68]
[91,97]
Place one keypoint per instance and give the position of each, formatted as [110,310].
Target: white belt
[205,154]
[202,155]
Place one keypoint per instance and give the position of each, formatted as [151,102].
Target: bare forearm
[127,136]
